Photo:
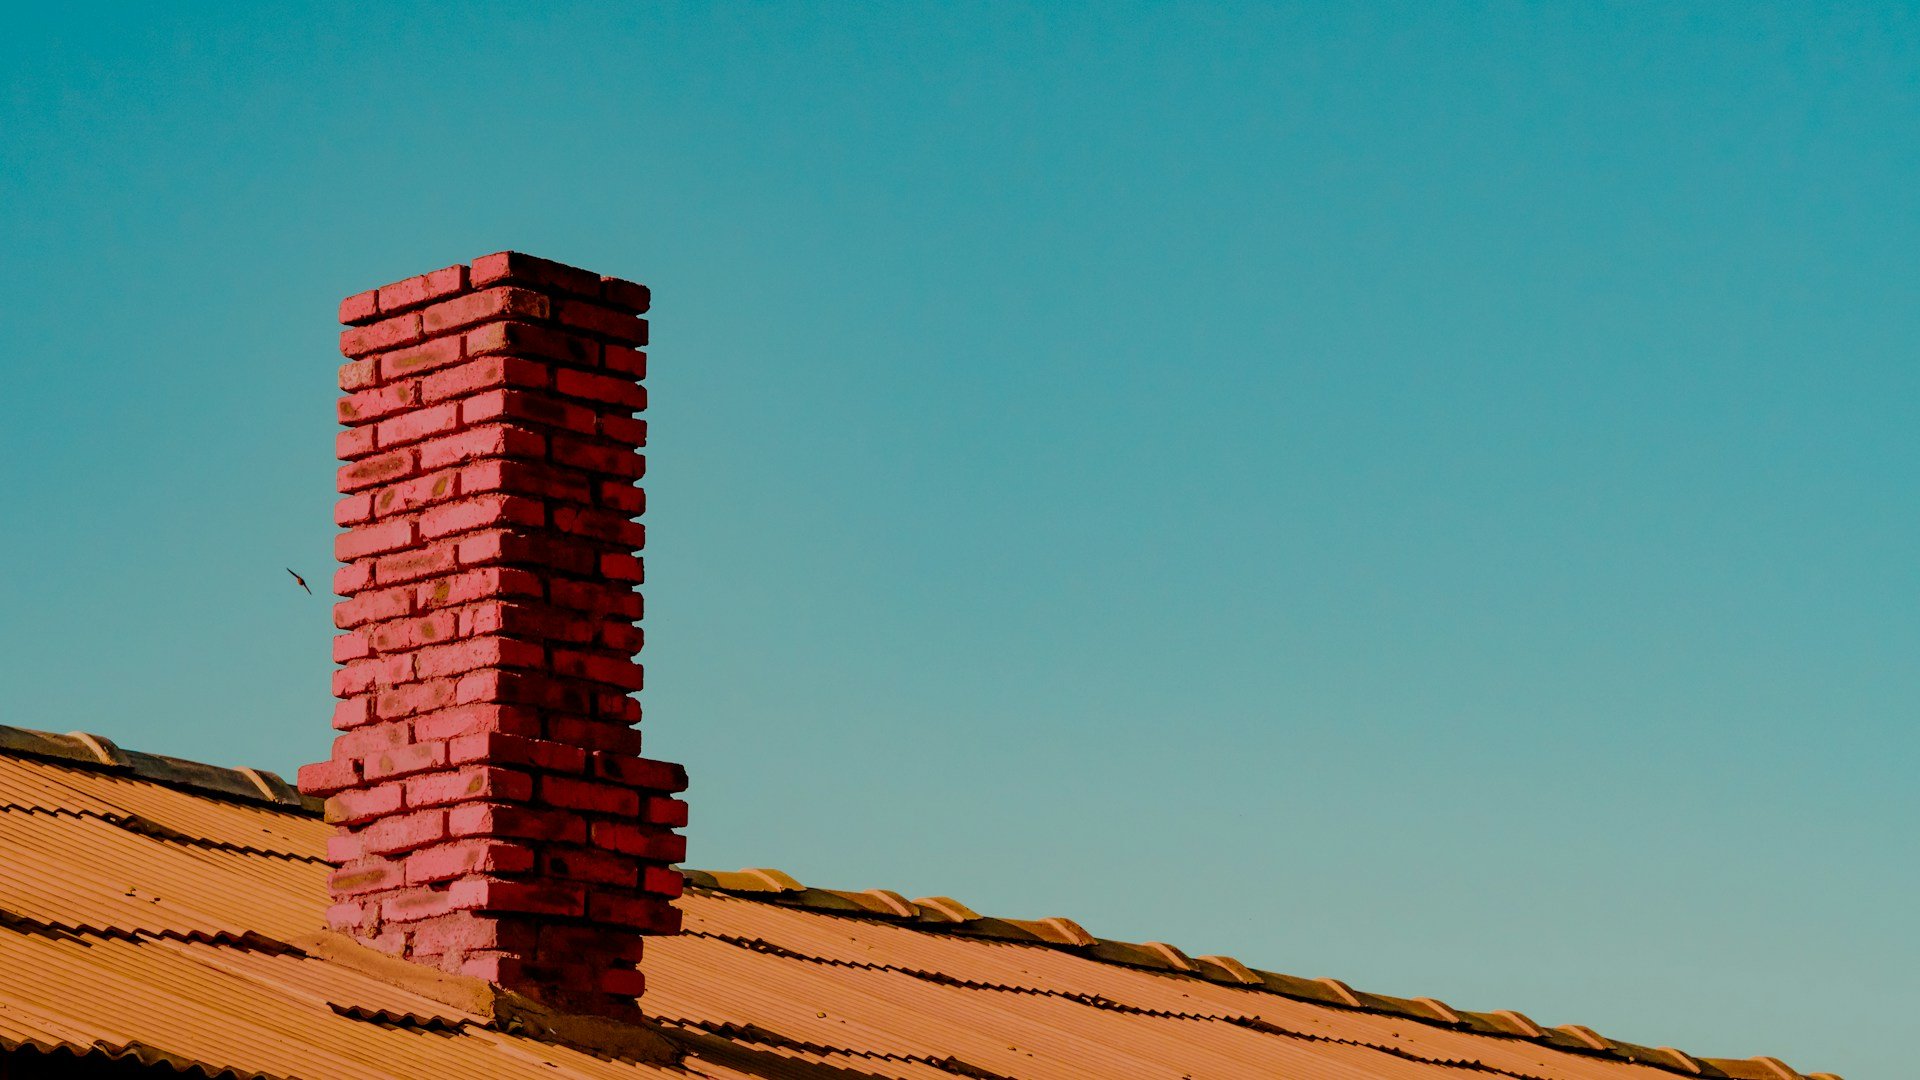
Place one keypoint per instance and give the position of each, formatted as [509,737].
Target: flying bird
[300,581]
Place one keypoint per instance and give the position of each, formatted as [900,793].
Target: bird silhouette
[300,581]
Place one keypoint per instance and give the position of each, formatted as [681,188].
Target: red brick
[363,804]
[358,375]
[623,982]
[405,760]
[354,443]
[438,558]
[415,903]
[600,525]
[352,578]
[472,783]
[480,513]
[599,457]
[370,405]
[482,306]
[531,270]
[421,289]
[528,407]
[362,675]
[463,857]
[471,585]
[649,915]
[352,713]
[525,478]
[625,295]
[618,708]
[323,778]
[419,359]
[475,653]
[359,308]
[401,833]
[415,698]
[369,606]
[397,634]
[523,339]
[614,671]
[522,822]
[491,440]
[469,720]
[661,810]
[344,847]
[464,932]
[639,772]
[606,389]
[417,424]
[602,321]
[619,567]
[353,510]
[624,430]
[373,540]
[596,599]
[367,739]
[624,497]
[540,898]
[596,867]
[622,637]
[484,373]
[662,881]
[646,843]
[497,749]
[629,362]
[574,794]
[594,734]
[351,646]
[367,472]
[406,495]
[385,334]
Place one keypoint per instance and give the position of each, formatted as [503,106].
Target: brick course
[494,816]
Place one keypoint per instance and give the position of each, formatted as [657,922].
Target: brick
[525,478]
[421,289]
[476,653]
[360,676]
[494,546]
[596,599]
[521,405]
[349,916]
[464,932]
[402,833]
[514,266]
[415,903]
[485,373]
[540,898]
[386,334]
[417,424]
[605,389]
[623,982]
[625,295]
[490,440]
[639,772]
[649,915]
[593,867]
[603,321]
[662,810]
[354,443]
[405,760]
[572,794]
[483,306]
[522,822]
[483,512]
[384,468]
[624,430]
[399,634]
[438,558]
[599,457]
[471,585]
[469,720]
[407,495]
[618,567]
[360,308]
[373,540]
[367,406]
[353,510]
[352,713]
[631,363]
[594,734]
[462,857]
[623,497]
[367,739]
[500,749]
[324,778]
[600,525]
[526,340]
[363,804]
[351,646]
[358,375]
[662,881]
[472,783]
[405,701]
[611,670]
[646,843]
[344,847]
[618,708]
[419,359]
[365,607]
[352,578]
[622,638]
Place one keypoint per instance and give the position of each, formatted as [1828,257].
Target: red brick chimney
[495,817]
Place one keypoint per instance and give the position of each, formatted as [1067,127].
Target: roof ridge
[941,914]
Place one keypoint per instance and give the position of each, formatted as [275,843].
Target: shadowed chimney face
[495,817]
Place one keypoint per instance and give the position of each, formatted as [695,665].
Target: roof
[164,912]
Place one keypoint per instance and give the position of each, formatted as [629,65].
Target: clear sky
[1422,494]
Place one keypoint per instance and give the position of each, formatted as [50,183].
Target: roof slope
[163,912]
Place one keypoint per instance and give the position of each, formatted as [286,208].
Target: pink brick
[367,472]
[524,339]
[571,794]
[358,375]
[385,334]
[421,289]
[502,266]
[399,634]
[415,903]
[479,307]
[352,578]
[372,540]
[469,720]
[541,898]
[472,783]
[367,406]
[470,585]
[352,713]
[364,804]
[483,512]
[417,424]
[407,495]
[521,405]
[401,833]
[325,778]
[359,308]
[367,607]
[344,847]
[437,558]
[523,822]
[484,373]
[501,749]
[351,646]
[414,698]
[405,760]
[614,671]
[354,443]
[353,510]
[349,916]
[419,359]
[477,653]
[491,440]
[462,857]
[367,739]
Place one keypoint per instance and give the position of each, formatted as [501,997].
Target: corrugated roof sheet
[161,911]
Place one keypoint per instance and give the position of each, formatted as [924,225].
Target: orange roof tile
[167,912]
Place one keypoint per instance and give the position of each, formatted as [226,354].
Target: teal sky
[1422,494]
